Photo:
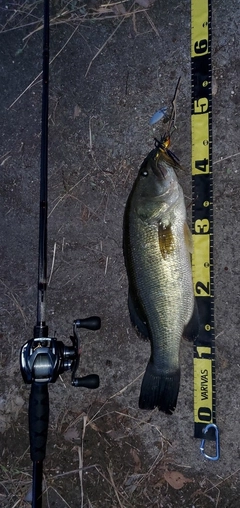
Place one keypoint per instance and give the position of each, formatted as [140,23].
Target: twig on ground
[12,297]
[150,21]
[222,481]
[53,261]
[94,417]
[67,194]
[127,386]
[103,46]
[90,132]
[5,158]
[114,487]
[109,482]
[58,494]
[225,158]
[17,502]
[40,73]
[73,471]
[105,211]
[80,456]
[106,266]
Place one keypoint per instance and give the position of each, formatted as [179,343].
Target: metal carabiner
[202,446]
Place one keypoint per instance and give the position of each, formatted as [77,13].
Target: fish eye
[144,172]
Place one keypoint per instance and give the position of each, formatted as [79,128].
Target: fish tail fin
[159,389]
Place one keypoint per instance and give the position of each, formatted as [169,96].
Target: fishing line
[205,426]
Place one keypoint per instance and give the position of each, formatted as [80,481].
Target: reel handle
[91,381]
[91,323]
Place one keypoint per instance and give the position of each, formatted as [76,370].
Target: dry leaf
[214,85]
[136,459]
[145,3]
[77,111]
[119,9]
[71,434]
[120,416]
[176,479]
[94,426]
[116,434]
[132,482]
[103,10]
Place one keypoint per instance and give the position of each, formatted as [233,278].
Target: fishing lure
[163,144]
[158,115]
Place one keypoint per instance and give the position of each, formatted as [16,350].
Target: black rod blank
[41,329]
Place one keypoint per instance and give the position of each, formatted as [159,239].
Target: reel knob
[91,381]
[91,323]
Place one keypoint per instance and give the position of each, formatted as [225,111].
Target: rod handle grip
[38,420]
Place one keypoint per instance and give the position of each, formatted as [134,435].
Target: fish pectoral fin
[166,240]
[191,330]
[137,319]
[188,238]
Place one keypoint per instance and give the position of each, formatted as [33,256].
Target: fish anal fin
[166,240]
[137,319]
[191,330]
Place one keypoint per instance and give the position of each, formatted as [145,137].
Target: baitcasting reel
[43,358]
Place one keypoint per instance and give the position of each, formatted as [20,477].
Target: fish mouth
[159,170]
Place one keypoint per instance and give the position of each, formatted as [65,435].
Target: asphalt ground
[108,76]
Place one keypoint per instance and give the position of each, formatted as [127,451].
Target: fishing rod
[43,358]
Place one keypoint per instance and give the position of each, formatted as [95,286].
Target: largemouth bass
[157,244]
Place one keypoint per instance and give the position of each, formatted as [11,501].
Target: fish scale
[156,274]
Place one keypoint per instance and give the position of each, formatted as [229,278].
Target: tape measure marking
[202,217]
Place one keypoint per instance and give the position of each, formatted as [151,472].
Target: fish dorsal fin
[166,239]
[188,238]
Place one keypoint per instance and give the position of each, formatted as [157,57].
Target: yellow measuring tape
[202,217]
